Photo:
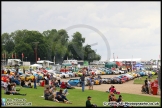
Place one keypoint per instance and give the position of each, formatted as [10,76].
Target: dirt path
[127,87]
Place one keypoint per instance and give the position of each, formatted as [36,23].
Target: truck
[14,62]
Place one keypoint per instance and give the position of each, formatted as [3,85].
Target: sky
[121,30]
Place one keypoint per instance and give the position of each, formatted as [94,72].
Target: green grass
[141,81]
[77,97]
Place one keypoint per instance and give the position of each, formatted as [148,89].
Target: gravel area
[127,87]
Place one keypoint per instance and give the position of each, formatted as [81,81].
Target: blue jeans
[64,97]
[35,86]
[83,84]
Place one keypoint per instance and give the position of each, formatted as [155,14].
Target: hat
[89,97]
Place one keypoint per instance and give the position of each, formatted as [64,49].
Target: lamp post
[62,59]
[36,45]
[26,58]
[114,57]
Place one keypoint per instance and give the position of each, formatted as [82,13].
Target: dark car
[117,80]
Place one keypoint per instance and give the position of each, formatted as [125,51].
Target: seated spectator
[23,84]
[119,99]
[111,97]
[88,103]
[144,89]
[10,90]
[68,86]
[63,86]
[61,97]
[6,84]
[113,89]
[49,95]
[29,84]
[65,91]
[14,87]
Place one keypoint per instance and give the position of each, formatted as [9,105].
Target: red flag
[22,55]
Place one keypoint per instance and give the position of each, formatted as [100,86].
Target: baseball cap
[89,97]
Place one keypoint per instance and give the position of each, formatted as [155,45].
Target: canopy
[138,65]
[66,64]
[110,64]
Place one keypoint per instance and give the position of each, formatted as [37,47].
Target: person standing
[82,79]
[23,70]
[30,70]
[146,84]
[35,82]
[149,87]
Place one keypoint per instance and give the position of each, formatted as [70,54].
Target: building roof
[132,59]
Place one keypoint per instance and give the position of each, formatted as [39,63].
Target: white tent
[36,65]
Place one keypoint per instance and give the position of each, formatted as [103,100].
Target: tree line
[50,44]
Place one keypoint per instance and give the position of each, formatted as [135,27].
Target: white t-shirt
[148,83]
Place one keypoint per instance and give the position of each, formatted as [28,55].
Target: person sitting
[113,89]
[29,84]
[144,89]
[10,90]
[23,84]
[63,86]
[88,103]
[61,97]
[120,99]
[49,95]
[14,87]
[68,86]
[111,97]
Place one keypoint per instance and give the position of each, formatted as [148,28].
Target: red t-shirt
[112,89]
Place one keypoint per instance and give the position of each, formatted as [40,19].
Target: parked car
[129,76]
[60,74]
[76,82]
[117,80]
[124,76]
[71,74]
[107,80]
[27,77]
[97,81]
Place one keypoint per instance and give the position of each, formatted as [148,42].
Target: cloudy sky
[124,28]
